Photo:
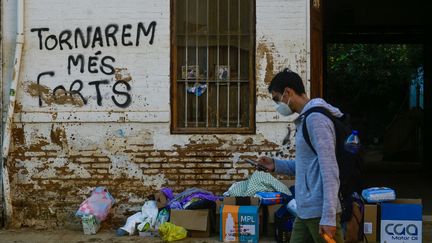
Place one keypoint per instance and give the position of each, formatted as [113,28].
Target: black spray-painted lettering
[104,65]
[96,37]
[39,31]
[126,94]
[128,34]
[93,62]
[79,33]
[72,91]
[77,86]
[75,61]
[53,37]
[96,84]
[111,34]
[141,27]
[64,37]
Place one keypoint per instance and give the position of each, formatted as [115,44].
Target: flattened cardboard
[271,210]
[370,225]
[196,222]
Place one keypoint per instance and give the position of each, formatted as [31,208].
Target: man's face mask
[283,108]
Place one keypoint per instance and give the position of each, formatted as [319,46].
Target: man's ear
[289,91]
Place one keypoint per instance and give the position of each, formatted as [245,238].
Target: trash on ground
[378,194]
[172,232]
[95,209]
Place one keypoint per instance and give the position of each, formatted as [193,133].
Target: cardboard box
[371,225]
[270,219]
[196,222]
[241,201]
[245,201]
[161,200]
[219,204]
[239,223]
[401,221]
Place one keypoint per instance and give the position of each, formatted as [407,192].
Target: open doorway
[381,86]
[377,63]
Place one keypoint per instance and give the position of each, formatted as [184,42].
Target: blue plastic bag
[378,194]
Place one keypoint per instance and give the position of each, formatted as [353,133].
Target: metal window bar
[217,65]
[215,81]
[196,62]
[186,65]
[238,66]
[207,67]
[229,74]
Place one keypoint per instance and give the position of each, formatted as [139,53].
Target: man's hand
[329,230]
[267,162]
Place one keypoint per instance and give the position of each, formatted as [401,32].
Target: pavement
[73,236]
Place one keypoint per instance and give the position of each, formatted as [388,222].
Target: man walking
[317,173]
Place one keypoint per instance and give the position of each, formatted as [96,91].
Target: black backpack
[349,164]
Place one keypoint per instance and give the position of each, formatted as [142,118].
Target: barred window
[212,71]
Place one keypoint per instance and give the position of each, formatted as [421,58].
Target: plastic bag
[197,89]
[131,223]
[270,198]
[172,232]
[162,217]
[149,213]
[146,220]
[378,194]
[90,225]
[98,204]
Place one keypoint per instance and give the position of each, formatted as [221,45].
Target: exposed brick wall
[48,187]
[63,148]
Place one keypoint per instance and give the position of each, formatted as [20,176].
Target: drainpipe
[8,126]
[1,105]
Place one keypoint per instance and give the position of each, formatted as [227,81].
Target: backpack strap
[317,109]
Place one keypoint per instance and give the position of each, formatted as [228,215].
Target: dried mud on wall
[53,168]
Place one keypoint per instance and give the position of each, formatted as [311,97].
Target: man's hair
[287,78]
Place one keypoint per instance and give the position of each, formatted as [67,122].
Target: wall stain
[58,136]
[123,165]
[46,94]
[267,51]
[122,74]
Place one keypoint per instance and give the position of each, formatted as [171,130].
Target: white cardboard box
[401,221]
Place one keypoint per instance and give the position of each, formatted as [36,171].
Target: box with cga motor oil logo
[401,221]
[239,223]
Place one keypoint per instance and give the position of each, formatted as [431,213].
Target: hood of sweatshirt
[318,102]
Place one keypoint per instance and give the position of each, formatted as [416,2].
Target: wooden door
[317,53]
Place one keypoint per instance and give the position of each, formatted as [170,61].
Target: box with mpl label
[401,221]
[239,223]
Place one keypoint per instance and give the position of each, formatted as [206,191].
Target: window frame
[175,129]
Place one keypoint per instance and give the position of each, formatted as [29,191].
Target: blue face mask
[283,108]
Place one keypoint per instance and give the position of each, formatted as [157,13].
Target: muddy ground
[73,236]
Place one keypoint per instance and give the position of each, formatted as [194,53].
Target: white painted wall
[68,137]
[281,27]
